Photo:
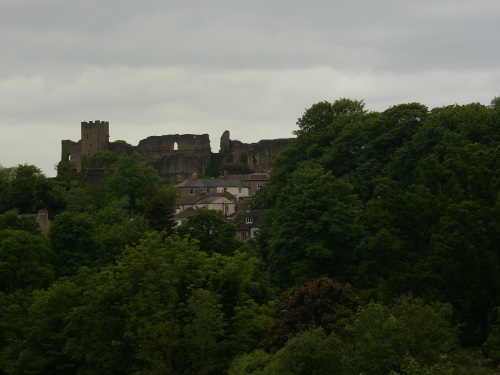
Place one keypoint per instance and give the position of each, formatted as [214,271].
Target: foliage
[130,179]
[164,308]
[159,207]
[12,220]
[313,228]
[214,233]
[73,239]
[410,366]
[320,303]
[42,346]
[28,190]
[25,261]
[492,345]
[377,340]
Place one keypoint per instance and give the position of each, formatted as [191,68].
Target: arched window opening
[176,146]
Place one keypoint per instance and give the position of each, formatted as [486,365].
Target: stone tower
[95,137]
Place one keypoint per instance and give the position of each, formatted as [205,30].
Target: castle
[177,156]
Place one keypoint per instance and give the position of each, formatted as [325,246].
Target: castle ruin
[177,156]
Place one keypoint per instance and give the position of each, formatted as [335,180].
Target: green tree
[203,331]
[74,241]
[130,179]
[22,191]
[491,347]
[214,233]
[42,347]
[159,207]
[160,309]
[116,228]
[312,230]
[4,183]
[25,261]
[87,198]
[12,220]
[310,353]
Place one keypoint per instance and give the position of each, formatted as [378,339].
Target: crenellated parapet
[95,137]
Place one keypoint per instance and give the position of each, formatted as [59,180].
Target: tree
[312,352]
[323,114]
[214,233]
[159,309]
[41,350]
[23,188]
[320,303]
[131,178]
[12,220]
[4,183]
[25,261]
[73,239]
[491,347]
[159,207]
[312,230]
[204,331]
[113,237]
[495,103]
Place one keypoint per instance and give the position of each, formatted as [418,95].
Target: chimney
[194,176]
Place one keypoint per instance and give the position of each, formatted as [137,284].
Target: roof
[186,201]
[212,200]
[203,198]
[247,177]
[210,183]
[239,217]
[185,214]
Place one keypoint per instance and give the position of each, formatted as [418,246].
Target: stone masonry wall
[177,156]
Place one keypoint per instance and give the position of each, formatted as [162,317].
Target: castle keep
[177,156]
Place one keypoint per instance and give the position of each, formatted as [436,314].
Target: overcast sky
[155,67]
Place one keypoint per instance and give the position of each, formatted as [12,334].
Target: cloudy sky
[154,67]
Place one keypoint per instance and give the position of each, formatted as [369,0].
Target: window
[208,190]
[259,185]
[225,190]
[239,190]
[191,191]
[249,220]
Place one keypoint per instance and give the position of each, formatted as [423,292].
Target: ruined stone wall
[255,157]
[177,156]
[121,147]
[180,166]
[72,151]
[264,153]
[156,147]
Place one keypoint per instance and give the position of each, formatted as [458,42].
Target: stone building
[177,156]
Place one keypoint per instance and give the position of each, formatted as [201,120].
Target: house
[224,202]
[254,181]
[194,186]
[247,222]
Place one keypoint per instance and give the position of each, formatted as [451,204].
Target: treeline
[379,254]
